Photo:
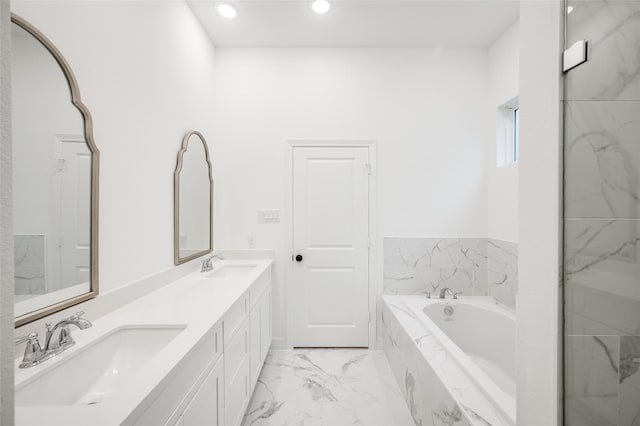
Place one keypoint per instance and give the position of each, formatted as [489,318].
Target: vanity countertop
[195,301]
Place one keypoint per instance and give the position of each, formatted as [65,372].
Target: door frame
[375,278]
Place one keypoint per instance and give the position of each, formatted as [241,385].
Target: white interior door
[330,285]
[74,210]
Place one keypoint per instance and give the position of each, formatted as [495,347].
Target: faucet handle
[76,316]
[31,338]
[33,353]
[456,293]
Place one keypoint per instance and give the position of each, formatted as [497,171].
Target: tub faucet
[207,263]
[444,291]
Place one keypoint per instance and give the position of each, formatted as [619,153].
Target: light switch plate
[268,216]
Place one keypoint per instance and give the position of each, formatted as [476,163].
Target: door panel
[330,231]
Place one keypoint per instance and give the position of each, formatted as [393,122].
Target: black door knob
[299,258]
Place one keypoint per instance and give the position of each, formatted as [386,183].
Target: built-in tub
[478,336]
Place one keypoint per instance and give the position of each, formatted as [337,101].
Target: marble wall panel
[613,69]
[629,381]
[602,160]
[473,266]
[602,270]
[591,381]
[502,271]
[29,273]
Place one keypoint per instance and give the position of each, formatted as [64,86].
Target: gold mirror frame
[95,164]
[176,200]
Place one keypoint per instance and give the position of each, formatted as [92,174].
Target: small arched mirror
[193,200]
[55,180]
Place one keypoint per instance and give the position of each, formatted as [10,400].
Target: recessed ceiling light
[226,11]
[320,6]
[569,9]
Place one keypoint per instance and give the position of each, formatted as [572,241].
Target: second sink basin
[101,368]
[231,271]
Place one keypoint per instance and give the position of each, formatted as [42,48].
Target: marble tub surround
[502,271]
[473,266]
[196,302]
[329,387]
[437,389]
[30,264]
[613,69]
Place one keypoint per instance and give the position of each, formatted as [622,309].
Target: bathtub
[470,344]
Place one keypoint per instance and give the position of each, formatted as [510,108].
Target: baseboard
[279,344]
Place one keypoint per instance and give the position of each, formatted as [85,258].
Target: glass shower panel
[602,216]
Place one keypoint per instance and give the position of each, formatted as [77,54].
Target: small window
[507,136]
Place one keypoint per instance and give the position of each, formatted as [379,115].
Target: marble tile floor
[327,387]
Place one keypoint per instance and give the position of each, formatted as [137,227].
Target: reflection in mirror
[54,181]
[193,200]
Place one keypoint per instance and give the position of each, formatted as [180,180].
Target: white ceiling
[391,23]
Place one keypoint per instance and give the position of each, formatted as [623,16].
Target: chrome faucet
[444,291]
[207,264]
[64,340]
[35,354]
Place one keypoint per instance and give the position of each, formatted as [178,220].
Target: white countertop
[195,301]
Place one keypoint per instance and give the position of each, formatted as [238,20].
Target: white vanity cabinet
[261,333]
[246,346]
[207,405]
[236,367]
[212,385]
[181,391]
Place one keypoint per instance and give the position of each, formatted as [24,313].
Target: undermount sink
[231,271]
[101,368]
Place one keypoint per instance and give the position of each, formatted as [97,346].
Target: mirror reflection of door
[51,180]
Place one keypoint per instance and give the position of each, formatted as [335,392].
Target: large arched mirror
[193,200]
[55,180]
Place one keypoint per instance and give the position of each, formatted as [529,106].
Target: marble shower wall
[29,273]
[602,216]
[474,266]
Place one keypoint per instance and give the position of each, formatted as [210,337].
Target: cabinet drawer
[259,286]
[234,318]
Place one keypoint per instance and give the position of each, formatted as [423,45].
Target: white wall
[422,106]
[539,373]
[145,71]
[502,182]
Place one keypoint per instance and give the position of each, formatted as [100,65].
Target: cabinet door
[207,405]
[255,348]
[237,372]
[266,329]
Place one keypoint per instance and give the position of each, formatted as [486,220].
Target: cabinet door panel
[255,352]
[237,395]
[207,405]
[265,326]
